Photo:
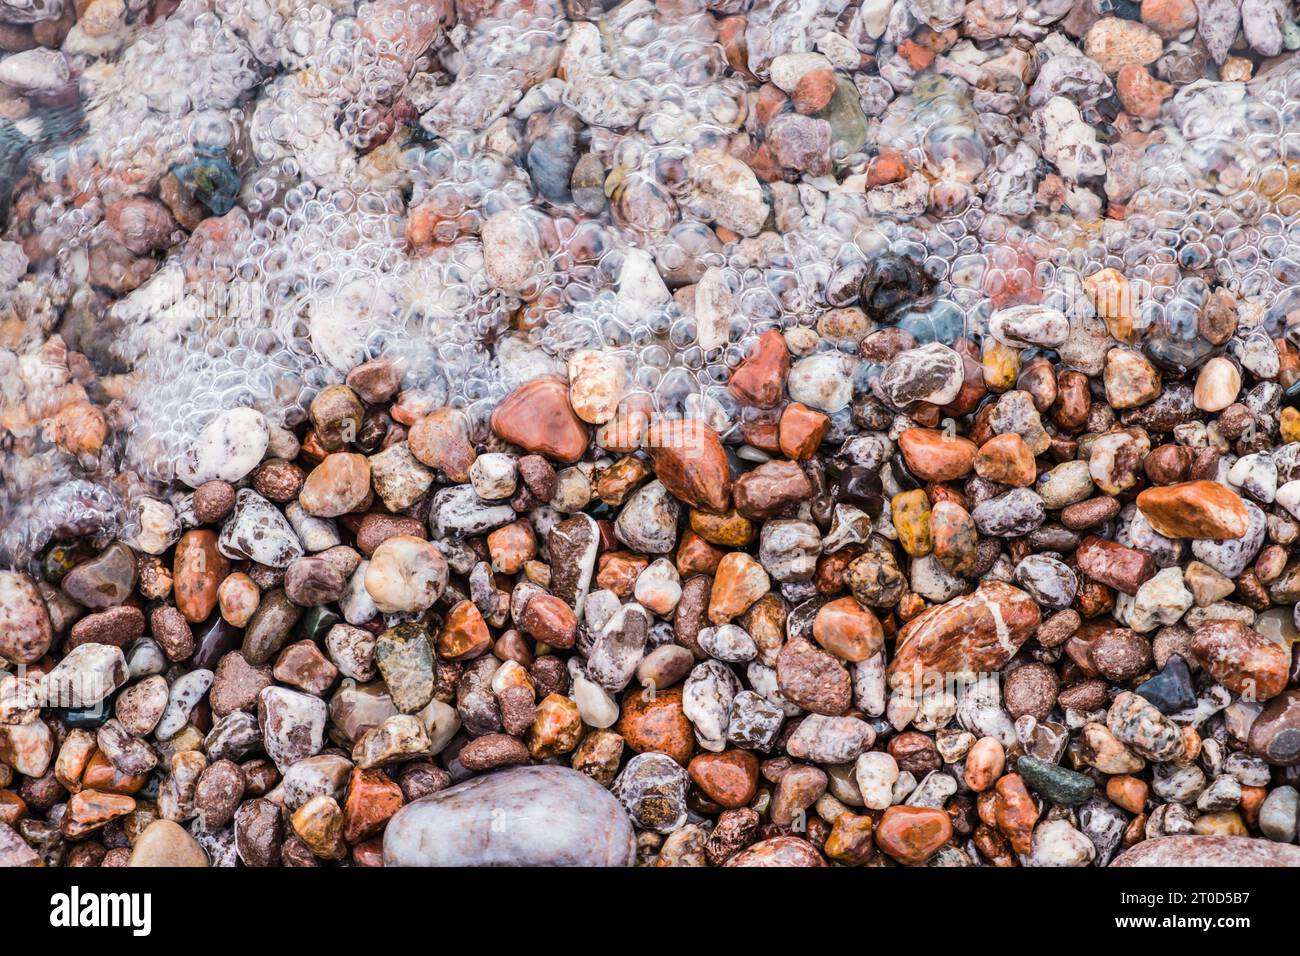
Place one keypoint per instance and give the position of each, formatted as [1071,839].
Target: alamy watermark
[22,693]
[76,909]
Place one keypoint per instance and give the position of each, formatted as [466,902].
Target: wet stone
[978,633]
[1242,659]
[652,788]
[1171,689]
[1049,581]
[1016,513]
[1230,557]
[257,531]
[1139,724]
[104,581]
[813,679]
[754,721]
[829,740]
[1057,784]
[292,724]
[561,817]
[932,373]
[648,521]
[1275,734]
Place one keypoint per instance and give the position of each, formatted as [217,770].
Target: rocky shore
[695,433]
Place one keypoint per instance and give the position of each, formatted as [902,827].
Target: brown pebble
[118,626]
[492,751]
[213,500]
[172,632]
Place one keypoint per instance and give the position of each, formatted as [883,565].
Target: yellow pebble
[911,515]
[730,530]
[850,840]
[1223,823]
[1290,424]
[1001,365]
[1113,297]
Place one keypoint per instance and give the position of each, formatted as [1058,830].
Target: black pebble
[1171,689]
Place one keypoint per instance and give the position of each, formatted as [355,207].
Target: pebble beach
[702,433]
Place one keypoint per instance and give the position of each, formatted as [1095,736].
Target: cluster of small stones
[671,428]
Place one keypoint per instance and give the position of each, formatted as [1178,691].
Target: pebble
[257,531]
[405,574]
[464,634]
[812,679]
[769,488]
[656,723]
[141,705]
[1137,723]
[829,740]
[822,381]
[1057,784]
[1130,380]
[619,647]
[729,779]
[166,844]
[338,485]
[911,835]
[292,724]
[933,456]
[440,440]
[1217,385]
[1049,581]
[1120,567]
[1171,689]
[104,581]
[494,476]
[1278,814]
[1113,463]
[458,511]
[648,521]
[727,643]
[227,449]
[754,721]
[1030,689]
[511,254]
[1208,851]
[847,630]
[1016,513]
[398,478]
[1114,43]
[1065,484]
[1007,460]
[782,851]
[652,788]
[1027,326]
[932,373]
[738,582]
[690,463]
[529,816]
[596,382]
[537,417]
[573,545]
[726,191]
[1057,843]
[25,631]
[1275,733]
[974,633]
[1242,659]
[1160,601]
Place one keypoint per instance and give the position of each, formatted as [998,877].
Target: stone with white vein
[227,449]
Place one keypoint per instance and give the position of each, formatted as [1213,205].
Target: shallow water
[310,134]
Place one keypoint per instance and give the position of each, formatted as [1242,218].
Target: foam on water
[314,270]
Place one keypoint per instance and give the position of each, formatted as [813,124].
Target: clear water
[313,270]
